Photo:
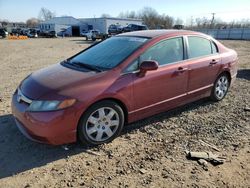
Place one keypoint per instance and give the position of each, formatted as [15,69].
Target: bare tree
[104,15]
[128,14]
[150,17]
[202,22]
[178,21]
[45,14]
[32,22]
[4,22]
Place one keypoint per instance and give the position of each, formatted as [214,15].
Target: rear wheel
[101,123]
[220,88]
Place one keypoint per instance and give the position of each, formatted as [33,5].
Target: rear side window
[199,47]
[214,48]
[167,51]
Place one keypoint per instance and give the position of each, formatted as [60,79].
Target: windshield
[110,52]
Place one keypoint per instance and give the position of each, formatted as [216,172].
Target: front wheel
[101,123]
[220,88]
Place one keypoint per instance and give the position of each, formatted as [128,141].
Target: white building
[67,24]
[73,27]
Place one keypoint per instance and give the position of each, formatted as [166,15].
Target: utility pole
[212,21]
[191,22]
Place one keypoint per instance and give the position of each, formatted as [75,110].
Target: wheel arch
[118,101]
[226,72]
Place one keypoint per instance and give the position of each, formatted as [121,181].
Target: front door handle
[213,62]
[181,69]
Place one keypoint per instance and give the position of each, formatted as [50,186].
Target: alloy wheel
[221,87]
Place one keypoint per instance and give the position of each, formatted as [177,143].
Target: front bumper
[55,127]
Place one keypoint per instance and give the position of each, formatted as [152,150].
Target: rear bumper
[55,128]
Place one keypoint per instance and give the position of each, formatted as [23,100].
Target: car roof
[159,32]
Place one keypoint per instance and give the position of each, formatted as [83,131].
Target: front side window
[133,66]
[198,46]
[168,51]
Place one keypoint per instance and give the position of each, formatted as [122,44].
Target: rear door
[204,63]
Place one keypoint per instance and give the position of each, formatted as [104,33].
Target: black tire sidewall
[81,129]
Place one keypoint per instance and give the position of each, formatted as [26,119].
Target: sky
[227,10]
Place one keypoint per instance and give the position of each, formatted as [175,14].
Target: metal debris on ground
[247,109]
[208,156]
[210,145]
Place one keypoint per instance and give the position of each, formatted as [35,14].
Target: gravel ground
[149,153]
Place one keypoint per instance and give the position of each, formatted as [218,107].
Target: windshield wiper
[84,65]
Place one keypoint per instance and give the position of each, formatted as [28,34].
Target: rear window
[198,47]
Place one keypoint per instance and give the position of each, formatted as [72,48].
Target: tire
[96,127]
[220,88]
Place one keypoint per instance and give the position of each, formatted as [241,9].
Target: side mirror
[148,65]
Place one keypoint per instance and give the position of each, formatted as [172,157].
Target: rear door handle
[213,62]
[181,69]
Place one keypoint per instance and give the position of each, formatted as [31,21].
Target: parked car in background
[32,33]
[52,34]
[91,34]
[134,27]
[94,35]
[128,77]
[48,34]
[24,32]
[83,33]
[115,29]
[15,31]
[3,33]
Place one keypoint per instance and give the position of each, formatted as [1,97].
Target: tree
[45,14]
[128,14]
[104,15]
[4,22]
[32,22]
[178,21]
[202,22]
[150,17]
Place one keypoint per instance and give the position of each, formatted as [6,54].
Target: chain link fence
[233,33]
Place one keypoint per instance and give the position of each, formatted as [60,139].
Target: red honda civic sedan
[90,96]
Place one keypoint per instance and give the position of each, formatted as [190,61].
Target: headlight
[38,106]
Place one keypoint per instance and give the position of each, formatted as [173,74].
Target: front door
[165,87]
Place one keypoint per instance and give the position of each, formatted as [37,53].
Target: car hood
[51,80]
